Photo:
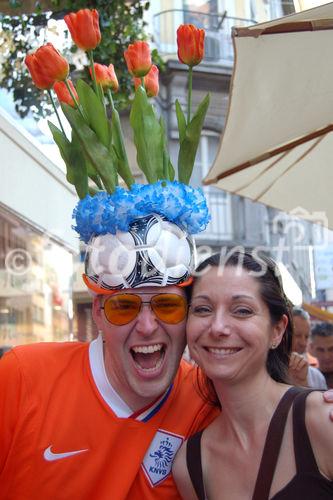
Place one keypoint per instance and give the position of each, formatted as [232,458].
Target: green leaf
[118,142]
[94,111]
[61,141]
[76,172]
[181,121]
[189,145]
[172,172]
[148,136]
[103,160]
[168,170]
[92,173]
[78,169]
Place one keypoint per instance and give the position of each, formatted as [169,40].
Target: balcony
[218,41]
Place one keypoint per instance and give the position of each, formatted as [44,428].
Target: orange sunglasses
[123,308]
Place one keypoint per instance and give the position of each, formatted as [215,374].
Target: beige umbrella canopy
[277,146]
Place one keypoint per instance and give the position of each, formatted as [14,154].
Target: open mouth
[148,357]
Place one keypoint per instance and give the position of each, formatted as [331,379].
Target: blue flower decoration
[107,213]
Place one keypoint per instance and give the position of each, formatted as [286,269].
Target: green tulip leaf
[103,160]
[78,167]
[92,173]
[94,111]
[76,173]
[148,137]
[61,141]
[118,143]
[189,145]
[181,121]
[168,170]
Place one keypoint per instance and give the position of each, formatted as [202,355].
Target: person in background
[301,369]
[239,333]
[321,346]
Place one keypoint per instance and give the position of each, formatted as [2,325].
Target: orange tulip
[138,59]
[190,41]
[106,76]
[46,66]
[150,81]
[84,28]
[63,94]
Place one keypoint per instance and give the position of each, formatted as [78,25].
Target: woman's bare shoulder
[181,475]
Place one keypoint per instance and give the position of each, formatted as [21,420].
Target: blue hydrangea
[106,213]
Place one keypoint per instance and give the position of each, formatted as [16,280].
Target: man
[104,420]
[301,371]
[321,346]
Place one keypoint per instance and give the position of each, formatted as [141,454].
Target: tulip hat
[136,234]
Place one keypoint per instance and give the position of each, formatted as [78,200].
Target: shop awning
[277,146]
[317,312]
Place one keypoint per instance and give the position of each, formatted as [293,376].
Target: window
[31,267]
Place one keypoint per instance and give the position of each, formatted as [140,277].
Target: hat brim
[103,291]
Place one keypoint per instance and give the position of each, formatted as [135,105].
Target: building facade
[36,241]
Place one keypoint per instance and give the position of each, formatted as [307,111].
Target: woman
[239,333]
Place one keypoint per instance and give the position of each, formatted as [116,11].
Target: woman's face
[229,330]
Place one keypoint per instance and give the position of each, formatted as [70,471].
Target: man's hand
[328,397]
[298,370]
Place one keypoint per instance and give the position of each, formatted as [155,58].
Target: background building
[36,241]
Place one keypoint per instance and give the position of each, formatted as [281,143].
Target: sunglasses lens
[169,307]
[122,309]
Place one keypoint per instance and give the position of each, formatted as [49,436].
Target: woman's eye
[243,311]
[200,310]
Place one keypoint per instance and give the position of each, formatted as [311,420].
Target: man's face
[301,334]
[322,349]
[142,356]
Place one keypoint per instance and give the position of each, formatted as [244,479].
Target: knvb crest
[159,457]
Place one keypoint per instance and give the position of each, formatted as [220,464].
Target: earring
[273,346]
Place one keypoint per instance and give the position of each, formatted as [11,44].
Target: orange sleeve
[11,382]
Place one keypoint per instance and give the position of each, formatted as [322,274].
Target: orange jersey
[61,439]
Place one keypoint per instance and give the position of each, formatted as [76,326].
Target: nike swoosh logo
[50,456]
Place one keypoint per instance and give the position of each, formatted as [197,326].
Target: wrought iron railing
[218,42]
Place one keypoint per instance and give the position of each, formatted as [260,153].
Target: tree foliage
[121,23]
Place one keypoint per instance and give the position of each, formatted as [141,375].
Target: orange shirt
[60,439]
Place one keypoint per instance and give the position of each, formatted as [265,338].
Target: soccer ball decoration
[154,252]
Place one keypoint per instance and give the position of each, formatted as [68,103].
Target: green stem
[74,98]
[91,59]
[98,88]
[56,111]
[143,82]
[109,94]
[189,97]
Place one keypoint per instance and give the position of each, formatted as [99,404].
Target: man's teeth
[147,349]
[224,351]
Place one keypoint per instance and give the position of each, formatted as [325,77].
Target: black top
[307,484]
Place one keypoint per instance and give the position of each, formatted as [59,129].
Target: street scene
[166,249]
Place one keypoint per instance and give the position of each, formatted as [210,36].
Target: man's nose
[146,322]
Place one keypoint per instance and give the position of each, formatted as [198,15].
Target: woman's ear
[279,330]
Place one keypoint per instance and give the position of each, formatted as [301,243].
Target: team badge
[159,457]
